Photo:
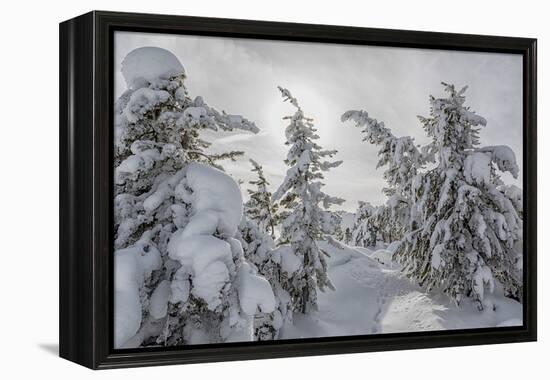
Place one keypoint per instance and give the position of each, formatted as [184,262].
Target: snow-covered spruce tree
[257,227]
[383,222]
[402,160]
[471,231]
[344,229]
[256,234]
[347,235]
[259,207]
[180,276]
[365,230]
[308,219]
[259,250]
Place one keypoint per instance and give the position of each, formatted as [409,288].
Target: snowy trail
[357,278]
[373,297]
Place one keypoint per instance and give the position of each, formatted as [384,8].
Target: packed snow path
[372,296]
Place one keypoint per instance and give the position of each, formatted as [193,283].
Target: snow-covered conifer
[259,207]
[259,250]
[471,230]
[344,229]
[180,276]
[308,219]
[257,233]
[365,231]
[402,160]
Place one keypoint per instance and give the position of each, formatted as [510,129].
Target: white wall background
[29,187]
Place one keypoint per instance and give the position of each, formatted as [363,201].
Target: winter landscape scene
[271,190]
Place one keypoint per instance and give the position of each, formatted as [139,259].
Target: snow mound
[209,283]
[144,156]
[158,305]
[285,256]
[197,252]
[504,157]
[180,286]
[477,168]
[383,256]
[153,201]
[343,255]
[195,116]
[127,303]
[147,64]
[209,259]
[482,278]
[472,118]
[215,190]
[132,266]
[142,101]
[255,292]
[216,207]
[515,194]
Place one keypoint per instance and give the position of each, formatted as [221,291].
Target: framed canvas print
[237,189]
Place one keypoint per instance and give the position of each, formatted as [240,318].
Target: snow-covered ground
[372,296]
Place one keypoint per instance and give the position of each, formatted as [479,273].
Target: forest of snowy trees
[197,262]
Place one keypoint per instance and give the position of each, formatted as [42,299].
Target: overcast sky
[241,76]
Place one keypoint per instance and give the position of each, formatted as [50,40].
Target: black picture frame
[86,176]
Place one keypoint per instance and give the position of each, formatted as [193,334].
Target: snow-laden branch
[287,96]
[400,155]
[503,156]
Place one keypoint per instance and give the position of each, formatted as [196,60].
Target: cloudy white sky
[241,76]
